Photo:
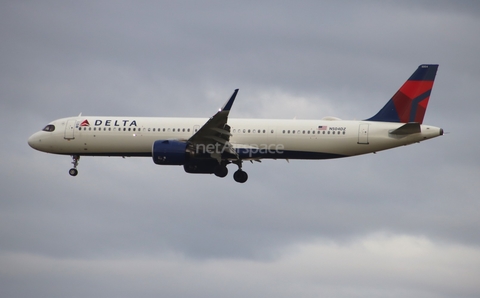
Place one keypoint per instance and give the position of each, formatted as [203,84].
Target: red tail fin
[410,102]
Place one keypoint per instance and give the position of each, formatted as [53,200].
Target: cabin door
[363,134]
[69,129]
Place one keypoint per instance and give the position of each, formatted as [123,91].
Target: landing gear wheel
[73,171]
[240,176]
[221,171]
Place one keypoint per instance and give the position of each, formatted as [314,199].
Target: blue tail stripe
[415,102]
[387,114]
[425,72]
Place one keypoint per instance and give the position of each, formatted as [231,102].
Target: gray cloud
[400,222]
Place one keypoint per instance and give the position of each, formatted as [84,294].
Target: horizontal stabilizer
[407,129]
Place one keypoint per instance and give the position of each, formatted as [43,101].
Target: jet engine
[169,152]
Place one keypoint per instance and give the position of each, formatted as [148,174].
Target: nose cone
[31,141]
[35,141]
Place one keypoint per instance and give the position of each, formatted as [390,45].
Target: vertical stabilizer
[410,102]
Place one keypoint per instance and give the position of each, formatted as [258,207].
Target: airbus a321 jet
[207,146]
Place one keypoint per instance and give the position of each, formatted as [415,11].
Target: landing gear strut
[73,171]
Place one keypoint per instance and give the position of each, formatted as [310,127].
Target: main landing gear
[239,176]
[73,171]
[221,170]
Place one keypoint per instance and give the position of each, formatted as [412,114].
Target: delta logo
[85,123]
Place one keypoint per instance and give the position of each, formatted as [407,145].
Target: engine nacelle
[199,166]
[169,152]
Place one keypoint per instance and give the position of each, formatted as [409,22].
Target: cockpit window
[49,127]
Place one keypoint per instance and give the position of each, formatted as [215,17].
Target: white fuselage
[295,139]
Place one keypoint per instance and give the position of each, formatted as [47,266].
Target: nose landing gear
[73,171]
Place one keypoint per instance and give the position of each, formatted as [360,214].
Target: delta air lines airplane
[207,146]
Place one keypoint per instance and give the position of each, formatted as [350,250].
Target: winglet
[229,103]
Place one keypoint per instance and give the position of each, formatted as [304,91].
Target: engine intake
[169,152]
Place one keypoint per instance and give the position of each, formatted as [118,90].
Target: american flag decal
[322,127]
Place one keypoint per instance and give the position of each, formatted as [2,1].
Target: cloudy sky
[400,223]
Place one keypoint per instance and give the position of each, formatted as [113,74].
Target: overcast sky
[399,223]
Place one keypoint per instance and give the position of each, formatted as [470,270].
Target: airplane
[207,146]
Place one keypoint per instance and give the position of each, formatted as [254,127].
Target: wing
[213,138]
